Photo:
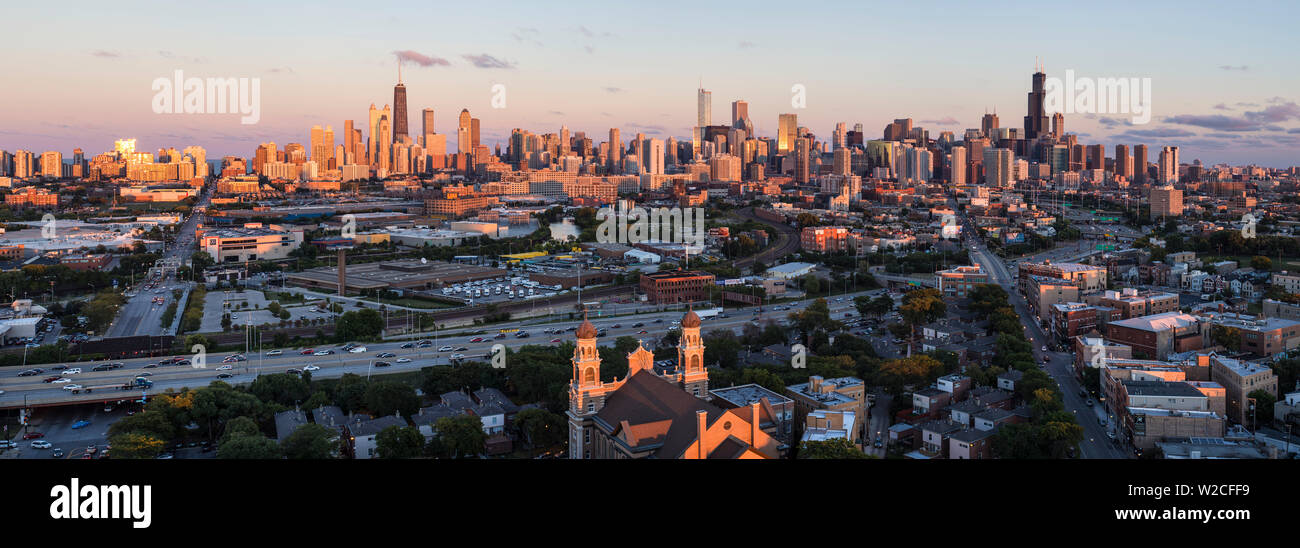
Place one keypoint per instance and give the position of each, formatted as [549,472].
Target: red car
[307,352]
[555,340]
[33,435]
[52,379]
[477,339]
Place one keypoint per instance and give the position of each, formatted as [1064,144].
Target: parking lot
[57,423]
[220,302]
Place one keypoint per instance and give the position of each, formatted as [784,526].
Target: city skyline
[1210,98]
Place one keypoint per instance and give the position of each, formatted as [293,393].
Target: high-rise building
[463,143]
[426,125]
[739,114]
[1166,201]
[1140,163]
[957,166]
[614,161]
[52,164]
[802,149]
[1168,169]
[652,156]
[1123,163]
[474,140]
[704,108]
[998,167]
[322,146]
[843,158]
[787,127]
[1058,125]
[1095,157]
[400,120]
[989,124]
[1036,118]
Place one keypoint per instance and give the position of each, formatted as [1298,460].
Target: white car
[226,367]
[403,360]
[321,353]
[444,349]
[72,371]
[41,444]
[274,353]
[72,387]
[61,381]
[357,349]
[457,356]
[311,368]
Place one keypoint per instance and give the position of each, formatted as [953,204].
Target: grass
[416,302]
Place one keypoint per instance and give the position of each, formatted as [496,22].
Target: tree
[1227,337]
[281,388]
[201,260]
[311,441]
[248,447]
[135,445]
[541,428]
[359,325]
[838,448]
[149,423]
[462,435]
[240,426]
[385,398]
[916,369]
[1264,401]
[399,443]
[1261,263]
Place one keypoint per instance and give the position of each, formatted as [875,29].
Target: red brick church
[660,414]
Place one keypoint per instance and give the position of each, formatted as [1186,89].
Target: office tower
[670,152]
[322,146]
[1168,168]
[463,143]
[989,124]
[373,122]
[1140,163]
[426,125]
[1166,201]
[739,114]
[1095,157]
[349,145]
[1123,163]
[25,162]
[787,126]
[652,156]
[52,164]
[998,167]
[399,109]
[802,149]
[704,108]
[1036,119]
[565,145]
[614,162]
[840,137]
[1058,125]
[843,158]
[1058,158]
[957,166]
[6,164]
[474,134]
[265,154]
[200,158]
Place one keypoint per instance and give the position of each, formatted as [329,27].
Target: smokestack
[753,427]
[702,425]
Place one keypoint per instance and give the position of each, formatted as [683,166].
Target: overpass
[894,279]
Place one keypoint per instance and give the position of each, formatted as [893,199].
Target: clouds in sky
[408,56]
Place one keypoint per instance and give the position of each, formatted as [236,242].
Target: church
[658,413]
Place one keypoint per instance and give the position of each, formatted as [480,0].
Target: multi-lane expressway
[32,391]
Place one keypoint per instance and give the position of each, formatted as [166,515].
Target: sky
[1223,78]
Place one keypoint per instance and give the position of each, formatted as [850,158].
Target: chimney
[753,427]
[702,425]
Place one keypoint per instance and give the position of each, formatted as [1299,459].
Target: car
[71,387]
[274,353]
[73,371]
[638,324]
[424,345]
[499,336]
[57,453]
[385,355]
[80,424]
[356,350]
[659,320]
[58,367]
[878,443]
[226,367]
[457,356]
[617,326]
[408,345]
[150,366]
[166,456]
[477,340]
[1044,348]
[641,332]
[403,360]
[521,335]
[54,378]
[555,340]
[461,349]
[145,374]
[382,364]
[293,371]
[31,372]
[444,349]
[310,367]
[307,352]
[33,435]
[41,444]
[323,353]
[224,376]
[234,358]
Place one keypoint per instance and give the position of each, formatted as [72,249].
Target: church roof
[586,330]
[647,399]
[691,319]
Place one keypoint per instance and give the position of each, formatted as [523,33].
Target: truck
[138,383]
[708,312]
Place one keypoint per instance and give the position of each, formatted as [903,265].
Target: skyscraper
[463,143]
[1036,119]
[1095,157]
[998,167]
[1123,163]
[426,125]
[989,124]
[1168,169]
[1140,163]
[614,162]
[349,145]
[399,108]
[474,134]
[787,127]
[652,156]
[322,146]
[1058,125]
[802,148]
[704,108]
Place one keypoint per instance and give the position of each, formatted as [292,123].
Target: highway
[34,392]
[1096,444]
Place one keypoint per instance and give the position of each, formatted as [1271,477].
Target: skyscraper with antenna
[1036,118]
[400,133]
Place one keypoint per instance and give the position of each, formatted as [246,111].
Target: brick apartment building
[1131,303]
[676,286]
[958,281]
[824,239]
[1155,337]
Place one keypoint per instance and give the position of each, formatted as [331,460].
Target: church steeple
[692,375]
